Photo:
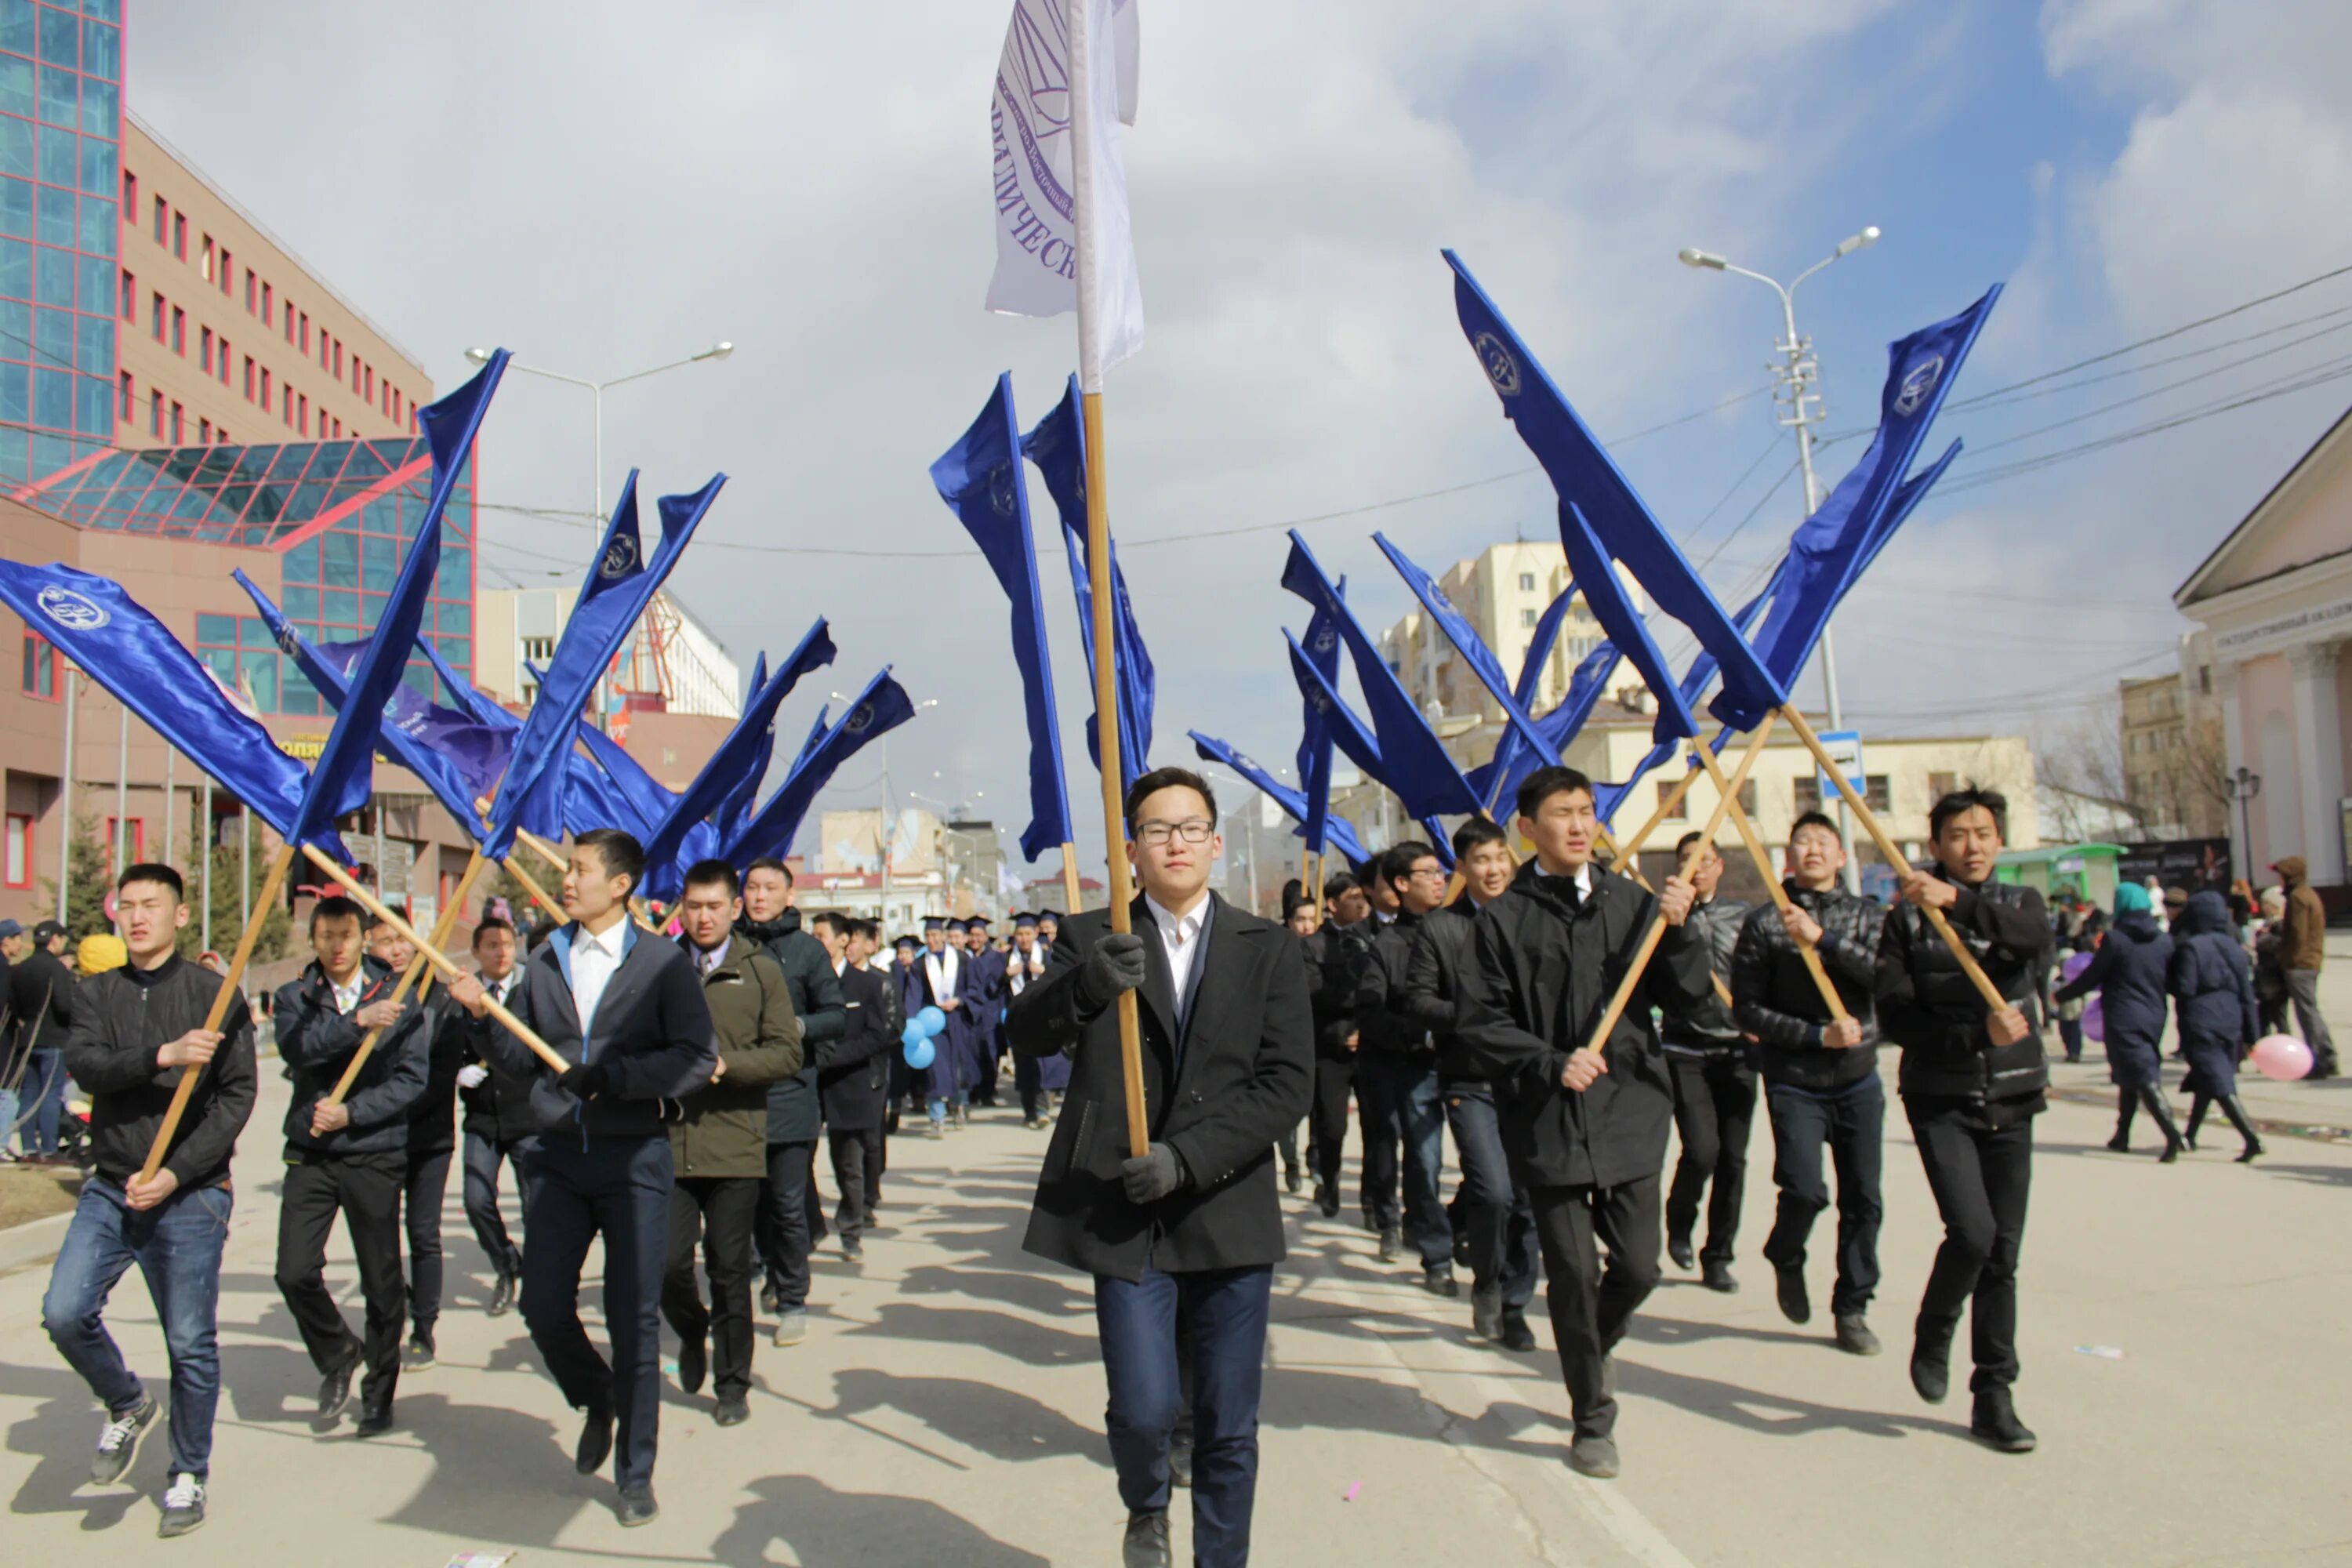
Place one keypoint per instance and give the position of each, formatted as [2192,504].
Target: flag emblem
[1502,367]
[859,719]
[1000,490]
[71,610]
[1325,640]
[1917,383]
[619,558]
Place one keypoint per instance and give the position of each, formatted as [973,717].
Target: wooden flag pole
[1070,893]
[442,927]
[254,918]
[1665,809]
[547,852]
[1830,997]
[1892,856]
[1657,931]
[439,960]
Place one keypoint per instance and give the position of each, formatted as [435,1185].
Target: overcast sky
[604,187]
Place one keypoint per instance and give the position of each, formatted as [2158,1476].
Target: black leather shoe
[595,1440]
[1516,1335]
[772,1300]
[733,1411]
[1931,1363]
[1438,1279]
[1391,1245]
[335,1390]
[1327,1201]
[1486,1311]
[374,1421]
[1147,1539]
[1854,1335]
[637,1506]
[502,1296]
[693,1363]
[1796,1305]
[1291,1180]
[1995,1424]
[1594,1456]
[1716,1275]
[1678,1248]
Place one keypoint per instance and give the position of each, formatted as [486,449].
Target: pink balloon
[2075,963]
[2281,1056]
[2095,1019]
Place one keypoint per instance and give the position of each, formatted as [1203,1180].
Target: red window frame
[180,234]
[228,266]
[179,425]
[179,332]
[130,398]
[18,846]
[40,665]
[155,415]
[130,297]
[137,849]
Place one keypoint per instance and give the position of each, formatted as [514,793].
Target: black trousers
[856,1168]
[483,1156]
[1715,1106]
[718,1212]
[783,1233]
[1494,1209]
[1591,1309]
[1981,1177]
[617,1187]
[424,1187]
[365,1190]
[1853,1127]
[1335,1079]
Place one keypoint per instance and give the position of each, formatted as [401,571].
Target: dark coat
[433,1120]
[722,1128]
[854,1076]
[2129,972]
[793,1113]
[40,1006]
[1333,956]
[950,1050]
[315,1043]
[2302,933]
[653,1030]
[2213,985]
[1054,1071]
[1243,1077]
[1706,1025]
[1780,1005]
[1928,1007]
[1436,987]
[1543,976]
[119,1025]
[1385,1017]
[498,1107]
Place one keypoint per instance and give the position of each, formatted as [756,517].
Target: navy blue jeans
[177,1246]
[618,1188]
[1224,1312]
[1502,1224]
[1398,1100]
[41,1100]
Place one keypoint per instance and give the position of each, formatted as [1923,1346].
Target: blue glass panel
[105,10]
[378,562]
[60,38]
[101,50]
[252,631]
[16,328]
[17,208]
[381,517]
[104,475]
[94,406]
[53,398]
[307,500]
[15,394]
[224,665]
[366,463]
[260,667]
[100,166]
[15,269]
[455,578]
[94,344]
[53,339]
[454,616]
[16,85]
[301,562]
[301,602]
[458,651]
[54,277]
[59,215]
[371,608]
[51,453]
[57,94]
[339,559]
[17,26]
[299,696]
[215,630]
[16,145]
[339,609]
[14,464]
[102,108]
[329,460]
[286,466]
[96,291]
[235,498]
[100,227]
[60,156]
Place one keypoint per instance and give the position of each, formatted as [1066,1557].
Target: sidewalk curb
[35,1241]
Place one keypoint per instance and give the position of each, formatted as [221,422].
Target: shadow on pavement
[999,1422]
[818,1524]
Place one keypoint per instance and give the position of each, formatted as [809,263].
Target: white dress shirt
[593,960]
[348,996]
[1180,936]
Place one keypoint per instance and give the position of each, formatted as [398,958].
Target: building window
[179,425]
[155,415]
[2204,680]
[204,267]
[1804,795]
[163,220]
[205,350]
[1680,809]
[1526,581]
[289,314]
[203,432]
[1527,619]
[130,195]
[252,292]
[249,378]
[16,855]
[220,367]
[305,344]
[302,414]
[227,260]
[1941,785]
[130,296]
[338,367]
[156,317]
[265,304]
[180,234]
[134,837]
[265,389]
[368,391]
[179,332]
[128,399]
[40,668]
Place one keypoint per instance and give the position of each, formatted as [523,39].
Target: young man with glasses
[1396,1081]
[1191,1229]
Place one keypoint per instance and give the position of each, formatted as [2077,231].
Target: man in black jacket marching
[854,1080]
[348,1159]
[1972,1081]
[1820,1074]
[498,1116]
[1189,1230]
[1397,1081]
[1585,1127]
[1715,1090]
[626,1009]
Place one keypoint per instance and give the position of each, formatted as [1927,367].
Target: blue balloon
[920,1053]
[933,1020]
[912,1033]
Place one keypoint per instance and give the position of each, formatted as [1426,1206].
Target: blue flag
[1439,840]
[735,810]
[346,759]
[980,477]
[1499,781]
[622,583]
[1509,749]
[1467,643]
[602,785]
[1057,445]
[1619,525]
[1587,562]
[1341,725]
[1421,773]
[1294,802]
[723,773]
[1827,552]
[882,707]
[128,651]
[1322,649]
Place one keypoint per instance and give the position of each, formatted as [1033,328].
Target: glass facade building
[60,177]
[339,514]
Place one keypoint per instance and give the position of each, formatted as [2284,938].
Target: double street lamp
[597,388]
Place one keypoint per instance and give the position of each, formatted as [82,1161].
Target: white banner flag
[1036,218]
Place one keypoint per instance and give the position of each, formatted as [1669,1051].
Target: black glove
[1151,1176]
[586,1081]
[1116,964]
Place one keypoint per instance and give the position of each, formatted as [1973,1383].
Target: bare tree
[2082,769]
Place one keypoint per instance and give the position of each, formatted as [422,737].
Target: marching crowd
[704,1066]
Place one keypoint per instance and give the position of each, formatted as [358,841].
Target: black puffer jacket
[1544,975]
[2211,980]
[1780,1005]
[1333,956]
[122,1020]
[315,1042]
[1930,1008]
[1443,950]
[1384,1015]
[1706,1025]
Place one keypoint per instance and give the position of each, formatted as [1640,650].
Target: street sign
[1844,747]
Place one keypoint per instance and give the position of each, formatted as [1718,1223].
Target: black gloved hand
[586,1081]
[1116,964]
[1152,1176]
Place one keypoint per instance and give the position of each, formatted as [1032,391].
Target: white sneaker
[183,1507]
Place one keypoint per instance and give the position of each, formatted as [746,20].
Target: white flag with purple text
[1036,216]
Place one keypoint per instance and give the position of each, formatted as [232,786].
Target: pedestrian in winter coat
[2213,985]
[2303,947]
[2127,970]
[498,1116]
[1715,1087]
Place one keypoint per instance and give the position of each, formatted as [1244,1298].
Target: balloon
[913,1032]
[2281,1056]
[933,1020]
[920,1053]
[2075,963]
[2095,1019]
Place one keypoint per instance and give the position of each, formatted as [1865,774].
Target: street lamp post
[1796,381]
[597,389]
[2243,786]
